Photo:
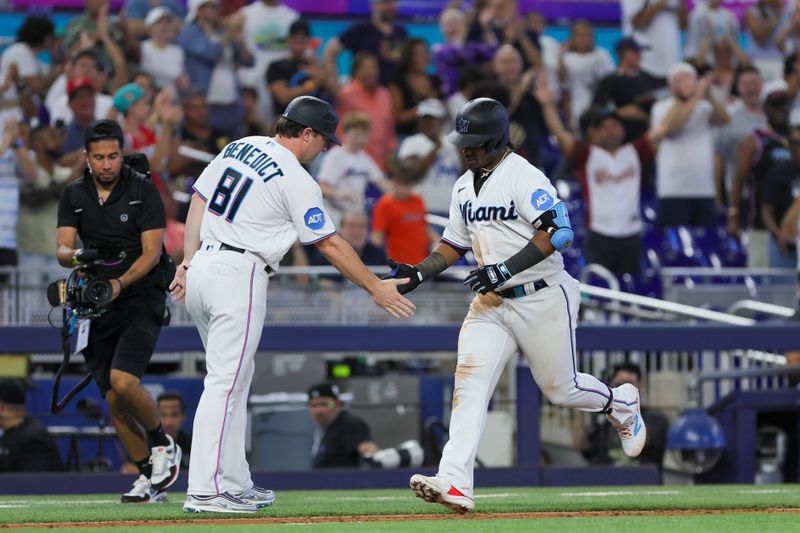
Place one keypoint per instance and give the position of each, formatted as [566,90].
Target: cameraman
[118,215]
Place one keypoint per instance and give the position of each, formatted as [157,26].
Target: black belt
[519,290]
[229,248]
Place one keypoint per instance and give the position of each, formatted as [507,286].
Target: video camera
[82,292]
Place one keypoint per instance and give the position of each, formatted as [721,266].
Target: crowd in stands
[705,132]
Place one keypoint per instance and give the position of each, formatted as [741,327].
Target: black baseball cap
[101,130]
[629,44]
[300,27]
[323,390]
[12,391]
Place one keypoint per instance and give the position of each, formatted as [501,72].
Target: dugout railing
[325,318]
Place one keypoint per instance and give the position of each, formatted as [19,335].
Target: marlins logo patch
[314,218]
[463,126]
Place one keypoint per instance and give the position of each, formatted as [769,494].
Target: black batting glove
[487,278]
[404,270]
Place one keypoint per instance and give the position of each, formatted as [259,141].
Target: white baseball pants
[226,297]
[541,326]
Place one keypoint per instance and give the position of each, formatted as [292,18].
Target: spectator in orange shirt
[364,93]
[398,221]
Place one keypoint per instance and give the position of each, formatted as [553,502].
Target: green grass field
[744,507]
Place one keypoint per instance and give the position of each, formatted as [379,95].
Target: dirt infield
[389,518]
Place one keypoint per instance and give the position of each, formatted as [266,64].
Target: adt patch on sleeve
[541,200]
[314,218]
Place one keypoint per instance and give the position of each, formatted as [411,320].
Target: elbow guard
[556,223]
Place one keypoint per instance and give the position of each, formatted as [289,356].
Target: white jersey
[498,222]
[260,198]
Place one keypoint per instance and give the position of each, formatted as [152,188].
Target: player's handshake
[386,295]
[411,274]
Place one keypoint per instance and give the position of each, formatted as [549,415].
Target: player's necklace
[486,172]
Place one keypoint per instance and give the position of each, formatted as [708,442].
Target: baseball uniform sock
[157,437]
[144,466]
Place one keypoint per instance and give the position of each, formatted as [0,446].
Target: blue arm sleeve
[563,235]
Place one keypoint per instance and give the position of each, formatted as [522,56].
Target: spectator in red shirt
[364,93]
[610,171]
[398,221]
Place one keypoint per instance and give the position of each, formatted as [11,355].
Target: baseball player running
[250,205]
[509,214]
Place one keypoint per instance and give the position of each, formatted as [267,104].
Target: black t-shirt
[411,99]
[213,144]
[288,70]
[774,153]
[781,187]
[365,36]
[527,128]
[291,71]
[338,447]
[622,90]
[134,206]
[28,447]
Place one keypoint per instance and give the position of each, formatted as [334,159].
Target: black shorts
[621,255]
[125,336]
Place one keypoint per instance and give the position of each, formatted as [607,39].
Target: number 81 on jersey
[226,197]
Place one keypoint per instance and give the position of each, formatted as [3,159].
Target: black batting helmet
[314,113]
[482,121]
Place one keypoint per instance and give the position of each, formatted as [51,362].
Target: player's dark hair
[629,367]
[286,127]
[170,396]
[35,30]
[102,132]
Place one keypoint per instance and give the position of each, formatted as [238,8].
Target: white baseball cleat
[166,461]
[257,495]
[633,434]
[143,492]
[218,503]
[437,490]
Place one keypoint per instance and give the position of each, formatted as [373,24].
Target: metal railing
[316,295]
[721,287]
[754,306]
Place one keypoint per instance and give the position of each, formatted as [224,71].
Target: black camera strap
[57,406]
